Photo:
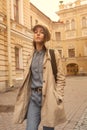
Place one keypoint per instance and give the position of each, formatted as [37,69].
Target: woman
[40,98]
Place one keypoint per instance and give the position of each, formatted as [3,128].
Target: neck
[39,47]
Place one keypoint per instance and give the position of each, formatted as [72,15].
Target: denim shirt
[37,69]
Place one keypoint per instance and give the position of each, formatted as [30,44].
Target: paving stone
[82,123]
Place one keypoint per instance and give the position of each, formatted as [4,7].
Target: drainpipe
[9,46]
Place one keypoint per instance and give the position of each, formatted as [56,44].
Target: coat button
[44,67]
[43,81]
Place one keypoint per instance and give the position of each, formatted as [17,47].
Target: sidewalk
[75,106]
[82,123]
[75,103]
[7,100]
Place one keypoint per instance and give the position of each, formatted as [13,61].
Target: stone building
[68,35]
[74,36]
[17,17]
[15,41]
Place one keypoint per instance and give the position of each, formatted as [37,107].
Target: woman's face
[39,35]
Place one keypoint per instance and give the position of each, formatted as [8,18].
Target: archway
[72,69]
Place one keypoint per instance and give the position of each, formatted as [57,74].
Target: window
[72,24]
[85,50]
[36,22]
[18,58]
[31,21]
[58,36]
[67,25]
[71,52]
[60,52]
[16,11]
[83,22]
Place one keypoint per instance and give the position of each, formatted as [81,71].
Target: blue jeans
[34,111]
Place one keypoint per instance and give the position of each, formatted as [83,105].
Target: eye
[35,31]
[42,32]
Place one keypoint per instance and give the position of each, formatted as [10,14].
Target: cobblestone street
[82,123]
[75,106]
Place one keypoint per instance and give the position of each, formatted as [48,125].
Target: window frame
[58,36]
[84,22]
[72,24]
[72,53]
[16,10]
[18,57]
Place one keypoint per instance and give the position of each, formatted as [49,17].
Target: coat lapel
[27,70]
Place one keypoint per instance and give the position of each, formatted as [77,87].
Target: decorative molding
[21,30]
[70,34]
[2,27]
[22,35]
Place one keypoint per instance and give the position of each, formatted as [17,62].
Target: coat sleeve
[60,84]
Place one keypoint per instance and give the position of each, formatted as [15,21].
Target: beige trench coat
[52,112]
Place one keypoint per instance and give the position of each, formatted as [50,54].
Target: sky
[49,8]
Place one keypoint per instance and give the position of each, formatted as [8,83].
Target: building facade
[15,41]
[17,17]
[74,36]
[68,35]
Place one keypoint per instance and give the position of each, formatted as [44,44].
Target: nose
[38,32]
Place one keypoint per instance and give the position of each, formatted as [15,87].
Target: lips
[38,38]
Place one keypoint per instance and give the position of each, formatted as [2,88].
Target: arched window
[83,22]
[67,25]
[72,24]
